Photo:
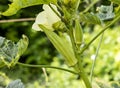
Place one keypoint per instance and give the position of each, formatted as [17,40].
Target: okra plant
[62,22]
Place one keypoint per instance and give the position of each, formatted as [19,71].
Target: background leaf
[16,84]
[11,52]
[19,4]
[105,12]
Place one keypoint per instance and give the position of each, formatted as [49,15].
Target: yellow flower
[47,18]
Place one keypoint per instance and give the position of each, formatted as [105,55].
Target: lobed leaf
[15,84]
[11,52]
[16,5]
[105,12]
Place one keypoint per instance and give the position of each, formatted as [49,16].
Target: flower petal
[36,27]
[41,18]
[51,16]
[46,18]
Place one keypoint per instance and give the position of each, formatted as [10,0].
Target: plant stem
[45,73]
[79,66]
[104,29]
[82,73]
[91,5]
[84,76]
[93,65]
[17,20]
[77,5]
[45,66]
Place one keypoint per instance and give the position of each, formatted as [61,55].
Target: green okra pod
[61,45]
[78,33]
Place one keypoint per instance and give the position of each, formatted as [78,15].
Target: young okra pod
[61,45]
[78,33]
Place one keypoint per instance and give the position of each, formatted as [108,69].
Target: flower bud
[66,2]
[59,26]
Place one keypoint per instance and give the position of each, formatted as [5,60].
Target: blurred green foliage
[41,51]
[108,60]
[40,48]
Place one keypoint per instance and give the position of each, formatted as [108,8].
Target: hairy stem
[45,66]
[79,66]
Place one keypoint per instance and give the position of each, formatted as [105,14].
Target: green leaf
[16,5]
[11,52]
[15,84]
[62,45]
[89,18]
[115,1]
[22,45]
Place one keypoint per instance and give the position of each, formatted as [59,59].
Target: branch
[17,20]
[91,5]
[46,66]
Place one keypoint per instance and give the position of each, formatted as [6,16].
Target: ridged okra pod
[60,44]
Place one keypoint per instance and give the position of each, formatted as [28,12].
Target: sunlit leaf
[16,5]
[89,18]
[11,52]
[16,84]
